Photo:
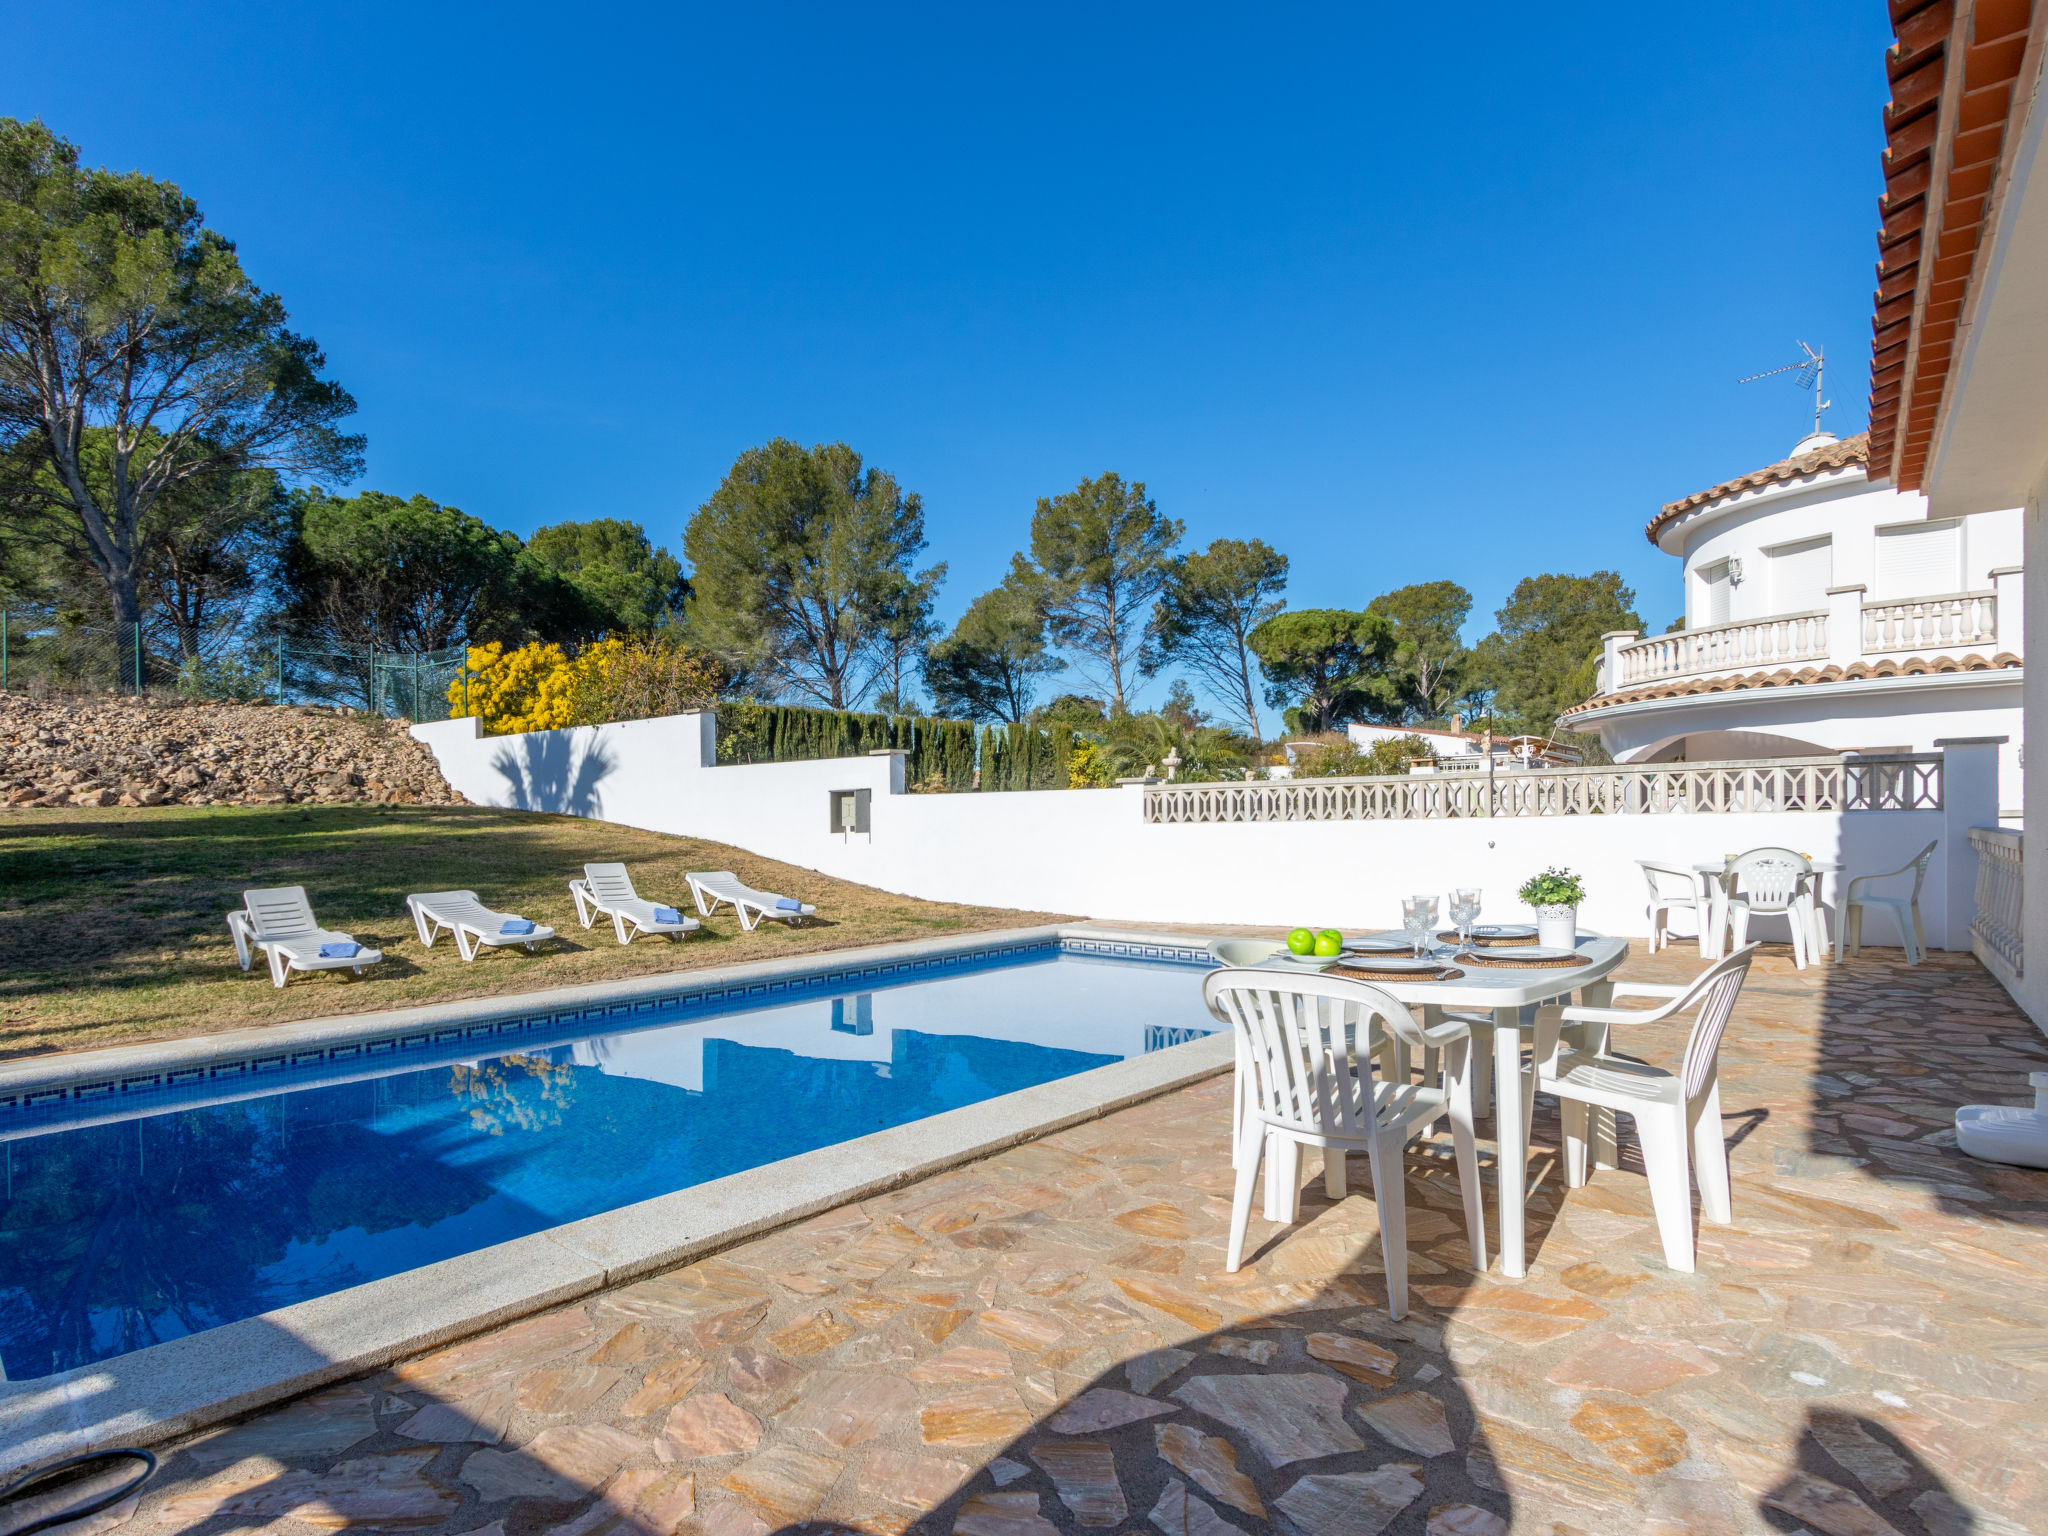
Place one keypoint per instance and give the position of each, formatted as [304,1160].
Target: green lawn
[112,922]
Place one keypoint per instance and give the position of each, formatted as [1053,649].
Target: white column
[1610,658]
[1969,798]
[2008,581]
[1845,625]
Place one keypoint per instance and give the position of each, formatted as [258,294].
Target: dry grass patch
[112,922]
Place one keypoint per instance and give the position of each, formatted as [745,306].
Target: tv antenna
[1808,373]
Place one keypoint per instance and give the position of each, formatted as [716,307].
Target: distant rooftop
[1810,455]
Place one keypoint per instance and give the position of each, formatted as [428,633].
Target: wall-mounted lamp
[1734,570]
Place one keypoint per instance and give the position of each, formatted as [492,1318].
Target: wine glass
[1465,912]
[1418,918]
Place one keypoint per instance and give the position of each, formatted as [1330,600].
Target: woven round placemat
[1450,936]
[1366,973]
[1566,962]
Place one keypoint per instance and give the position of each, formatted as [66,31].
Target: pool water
[124,1233]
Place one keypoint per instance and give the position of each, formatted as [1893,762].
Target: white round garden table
[1492,998]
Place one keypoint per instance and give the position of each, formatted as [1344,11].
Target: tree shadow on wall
[549,771]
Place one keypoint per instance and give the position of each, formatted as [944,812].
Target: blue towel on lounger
[668,916]
[340,951]
[785,904]
[516,925]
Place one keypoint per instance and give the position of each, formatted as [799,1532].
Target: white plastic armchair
[606,890]
[279,923]
[1671,1110]
[1904,909]
[474,925]
[1771,882]
[1664,901]
[1304,1044]
[710,888]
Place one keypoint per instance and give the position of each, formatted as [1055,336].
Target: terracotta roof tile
[1786,677]
[1977,104]
[1850,450]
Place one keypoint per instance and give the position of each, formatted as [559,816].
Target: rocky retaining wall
[145,752]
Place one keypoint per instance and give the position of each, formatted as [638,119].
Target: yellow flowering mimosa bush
[539,687]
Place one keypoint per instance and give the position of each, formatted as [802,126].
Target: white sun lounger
[472,923]
[606,890]
[711,887]
[280,923]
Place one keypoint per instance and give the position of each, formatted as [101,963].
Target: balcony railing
[1959,621]
[1738,647]
[1898,782]
[1995,930]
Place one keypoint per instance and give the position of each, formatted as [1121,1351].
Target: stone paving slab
[1044,1341]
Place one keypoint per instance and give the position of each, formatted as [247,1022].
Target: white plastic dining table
[1714,883]
[1502,992]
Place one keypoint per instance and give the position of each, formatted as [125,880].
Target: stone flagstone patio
[1045,1341]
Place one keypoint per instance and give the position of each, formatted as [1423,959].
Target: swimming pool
[216,1197]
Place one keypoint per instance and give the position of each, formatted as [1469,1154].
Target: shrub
[643,678]
[540,687]
[532,688]
[1087,766]
[222,677]
[1341,759]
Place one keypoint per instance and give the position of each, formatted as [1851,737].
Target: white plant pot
[1557,927]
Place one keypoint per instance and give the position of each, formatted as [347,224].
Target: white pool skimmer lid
[2002,1133]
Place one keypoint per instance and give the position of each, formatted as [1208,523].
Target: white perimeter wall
[1090,853]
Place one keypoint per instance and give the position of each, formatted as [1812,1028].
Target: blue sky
[1408,294]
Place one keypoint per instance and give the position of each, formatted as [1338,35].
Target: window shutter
[1717,591]
[1801,575]
[1919,560]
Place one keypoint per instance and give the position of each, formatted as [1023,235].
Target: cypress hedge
[1010,757]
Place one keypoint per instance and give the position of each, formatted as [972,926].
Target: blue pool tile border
[29,1103]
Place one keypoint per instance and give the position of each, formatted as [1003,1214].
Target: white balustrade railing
[1897,782]
[1931,623]
[1995,930]
[1736,647]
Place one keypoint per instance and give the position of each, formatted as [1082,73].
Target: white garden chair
[1905,910]
[473,924]
[606,890]
[1771,882]
[1305,1043]
[1673,888]
[1670,1110]
[710,888]
[279,922]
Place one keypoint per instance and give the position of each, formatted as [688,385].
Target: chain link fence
[42,655]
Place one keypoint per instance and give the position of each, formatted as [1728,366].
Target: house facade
[1825,612]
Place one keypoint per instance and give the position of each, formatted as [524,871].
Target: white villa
[1458,748]
[1824,613]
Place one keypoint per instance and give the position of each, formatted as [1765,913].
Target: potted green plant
[1555,894]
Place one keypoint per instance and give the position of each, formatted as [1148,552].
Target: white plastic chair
[1664,901]
[1670,1110]
[279,922]
[606,890]
[1905,910]
[1771,882]
[1305,1044]
[473,924]
[711,887]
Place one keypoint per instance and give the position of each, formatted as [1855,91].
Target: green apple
[1301,942]
[1329,942]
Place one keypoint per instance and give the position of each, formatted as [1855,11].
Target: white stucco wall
[1843,506]
[1911,713]
[1090,853]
